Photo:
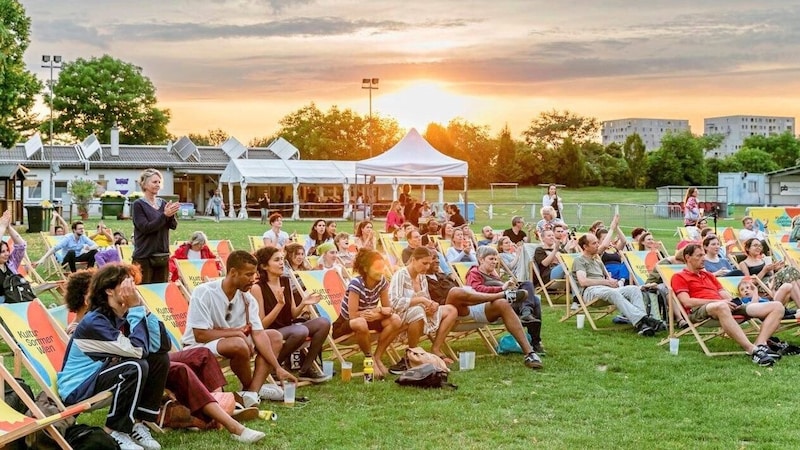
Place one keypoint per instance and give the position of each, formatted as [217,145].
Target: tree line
[92,95]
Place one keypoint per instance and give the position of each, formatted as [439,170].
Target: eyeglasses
[228,315]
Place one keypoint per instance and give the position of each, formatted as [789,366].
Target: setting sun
[421,102]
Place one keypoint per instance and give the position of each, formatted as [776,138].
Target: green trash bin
[730,210]
[39,218]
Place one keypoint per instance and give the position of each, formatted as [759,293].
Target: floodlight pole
[370,84]
[51,62]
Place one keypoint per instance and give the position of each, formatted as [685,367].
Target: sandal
[242,414]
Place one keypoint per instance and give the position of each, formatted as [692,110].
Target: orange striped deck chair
[170,303]
[194,272]
[222,248]
[15,425]
[39,344]
[640,264]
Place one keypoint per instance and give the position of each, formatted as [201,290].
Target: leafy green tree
[635,154]
[18,87]
[336,134]
[783,149]
[506,169]
[554,127]
[752,160]
[680,160]
[93,95]
[212,138]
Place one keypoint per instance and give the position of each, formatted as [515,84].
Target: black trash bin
[39,218]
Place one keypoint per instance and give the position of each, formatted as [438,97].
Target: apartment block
[650,130]
[736,129]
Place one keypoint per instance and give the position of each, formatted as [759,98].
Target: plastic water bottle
[368,370]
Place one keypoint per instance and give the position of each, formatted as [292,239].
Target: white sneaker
[248,436]
[141,434]
[271,392]
[575,306]
[124,440]
[250,398]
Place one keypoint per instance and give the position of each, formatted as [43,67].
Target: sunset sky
[241,65]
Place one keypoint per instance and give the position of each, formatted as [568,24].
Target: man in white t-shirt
[223,317]
[275,237]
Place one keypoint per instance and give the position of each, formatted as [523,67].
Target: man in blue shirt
[77,248]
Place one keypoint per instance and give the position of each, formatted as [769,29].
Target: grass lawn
[598,389]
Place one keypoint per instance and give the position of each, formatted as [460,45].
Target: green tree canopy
[213,137]
[93,95]
[18,87]
[680,160]
[783,149]
[635,155]
[336,134]
[552,128]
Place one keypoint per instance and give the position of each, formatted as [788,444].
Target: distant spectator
[691,210]
[457,219]
[552,199]
[515,233]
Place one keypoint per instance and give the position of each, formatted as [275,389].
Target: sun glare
[421,102]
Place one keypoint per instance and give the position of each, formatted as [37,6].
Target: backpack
[85,436]
[417,356]
[41,440]
[17,289]
[425,376]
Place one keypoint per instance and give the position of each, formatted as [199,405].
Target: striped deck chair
[640,264]
[593,310]
[331,287]
[707,329]
[15,425]
[222,248]
[194,272]
[53,266]
[256,242]
[62,316]
[170,303]
[39,284]
[39,344]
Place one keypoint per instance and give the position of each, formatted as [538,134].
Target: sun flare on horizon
[421,102]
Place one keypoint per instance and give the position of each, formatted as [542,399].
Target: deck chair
[256,242]
[194,272]
[444,245]
[461,269]
[330,285]
[15,425]
[702,331]
[54,268]
[126,253]
[731,241]
[640,264]
[62,316]
[593,310]
[170,303]
[557,287]
[222,248]
[39,344]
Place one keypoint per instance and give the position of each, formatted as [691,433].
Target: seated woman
[279,311]
[365,235]
[316,237]
[330,230]
[462,249]
[773,274]
[342,241]
[296,258]
[610,250]
[549,219]
[195,248]
[456,217]
[447,231]
[713,263]
[485,278]
[9,259]
[119,347]
[419,314]
[329,259]
[367,307]
[646,242]
[545,257]
[509,253]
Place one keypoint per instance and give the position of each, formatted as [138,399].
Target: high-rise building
[650,130]
[736,129]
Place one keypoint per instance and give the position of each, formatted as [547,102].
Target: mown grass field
[598,389]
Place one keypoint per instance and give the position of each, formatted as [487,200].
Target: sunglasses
[228,315]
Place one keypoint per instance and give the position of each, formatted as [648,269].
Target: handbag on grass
[417,356]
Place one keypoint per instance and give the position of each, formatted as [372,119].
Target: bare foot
[379,370]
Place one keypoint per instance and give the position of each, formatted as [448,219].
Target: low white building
[650,130]
[735,129]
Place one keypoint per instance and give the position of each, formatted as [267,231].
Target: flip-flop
[242,414]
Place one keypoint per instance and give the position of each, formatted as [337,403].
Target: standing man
[703,297]
[223,317]
[592,278]
[515,233]
[77,247]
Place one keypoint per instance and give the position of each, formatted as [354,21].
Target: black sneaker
[644,329]
[526,316]
[655,324]
[782,348]
[400,367]
[761,356]
[539,349]
[516,295]
[533,361]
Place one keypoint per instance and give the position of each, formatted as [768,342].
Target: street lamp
[371,84]
[51,62]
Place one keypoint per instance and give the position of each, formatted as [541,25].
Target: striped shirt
[367,298]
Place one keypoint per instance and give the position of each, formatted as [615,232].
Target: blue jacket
[99,342]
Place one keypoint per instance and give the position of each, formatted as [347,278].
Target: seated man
[223,317]
[703,297]
[750,231]
[567,241]
[487,233]
[589,272]
[414,241]
[515,233]
[77,248]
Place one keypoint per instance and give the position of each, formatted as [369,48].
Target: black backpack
[425,376]
[17,289]
[85,436]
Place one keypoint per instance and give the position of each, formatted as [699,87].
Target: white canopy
[413,156]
